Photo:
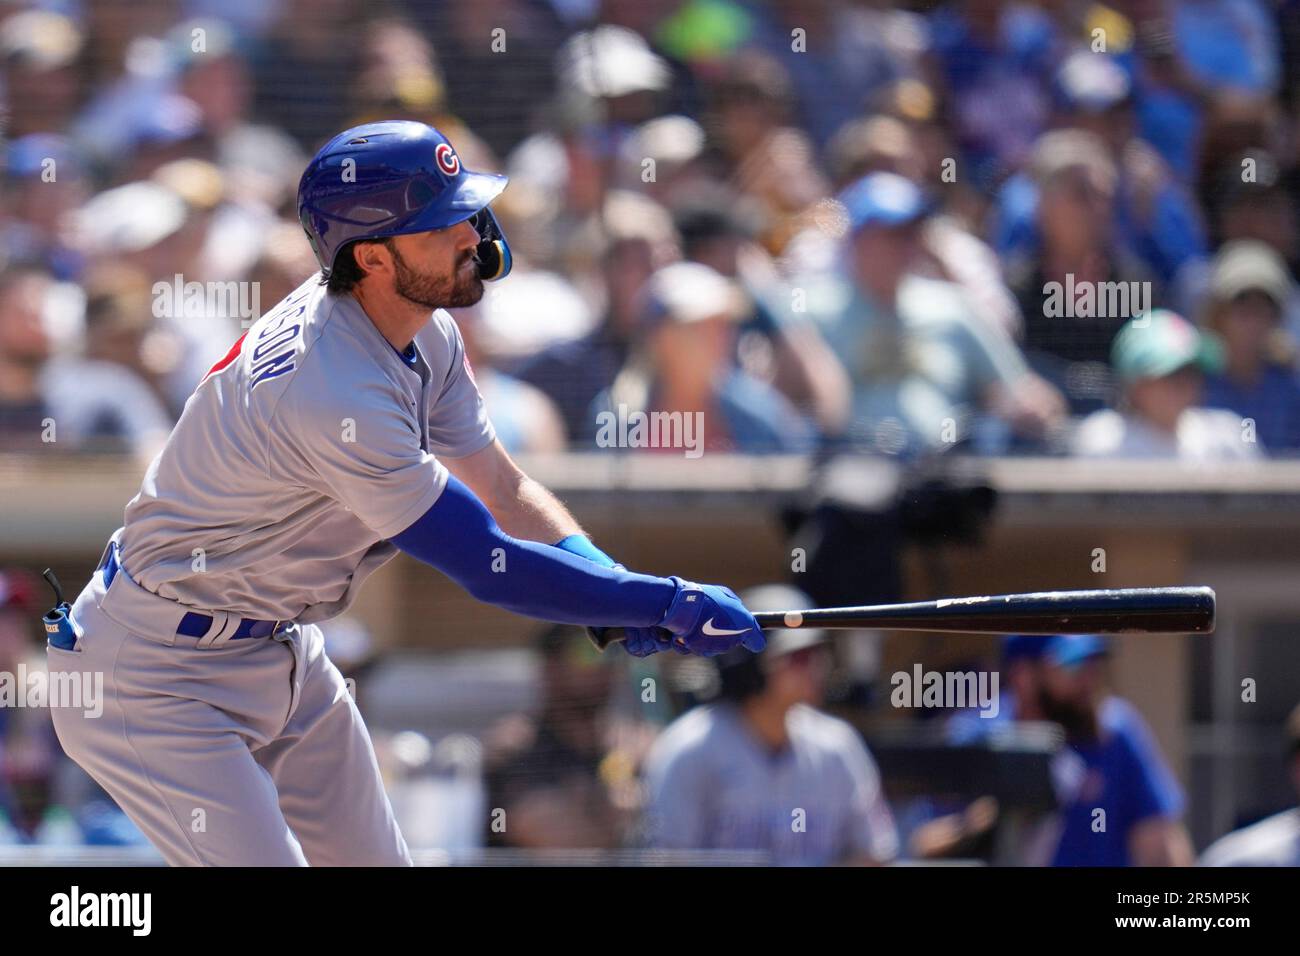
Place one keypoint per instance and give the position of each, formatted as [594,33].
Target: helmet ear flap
[493,253]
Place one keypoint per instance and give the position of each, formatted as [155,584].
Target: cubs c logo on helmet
[447,159]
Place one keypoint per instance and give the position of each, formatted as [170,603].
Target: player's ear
[373,258]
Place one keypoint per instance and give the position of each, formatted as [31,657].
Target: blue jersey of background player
[1111,763]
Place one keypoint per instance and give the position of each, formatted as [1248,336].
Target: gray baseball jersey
[713,785]
[299,454]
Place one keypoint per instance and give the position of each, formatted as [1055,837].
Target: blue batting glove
[708,619]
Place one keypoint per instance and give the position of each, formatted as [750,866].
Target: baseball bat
[1182,610]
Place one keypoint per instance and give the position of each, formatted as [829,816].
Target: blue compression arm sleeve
[459,537]
[582,546]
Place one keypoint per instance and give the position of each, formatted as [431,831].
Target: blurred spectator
[39,51]
[1079,285]
[921,364]
[566,777]
[665,159]
[763,154]
[286,262]
[298,64]
[609,81]
[775,344]
[952,252]
[30,814]
[632,238]
[762,768]
[502,51]
[1155,217]
[260,160]
[526,421]
[59,401]
[167,228]
[851,51]
[1249,290]
[997,59]
[45,799]
[1274,841]
[401,79]
[1159,361]
[1254,198]
[683,366]
[24,349]
[1186,53]
[20,596]
[44,182]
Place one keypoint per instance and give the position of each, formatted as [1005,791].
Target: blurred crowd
[1054,228]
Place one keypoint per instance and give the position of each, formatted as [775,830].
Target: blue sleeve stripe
[583,547]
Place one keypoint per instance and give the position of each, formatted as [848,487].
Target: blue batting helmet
[393,178]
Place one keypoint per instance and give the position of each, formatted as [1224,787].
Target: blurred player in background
[565,778]
[763,769]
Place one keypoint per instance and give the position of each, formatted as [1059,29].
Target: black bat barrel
[1182,610]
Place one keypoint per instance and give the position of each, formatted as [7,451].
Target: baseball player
[344,426]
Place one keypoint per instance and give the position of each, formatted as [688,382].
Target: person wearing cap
[1275,840]
[920,361]
[762,769]
[1112,764]
[780,347]
[683,363]
[1019,694]
[1249,291]
[628,237]
[1159,361]
[1261,206]
[885,143]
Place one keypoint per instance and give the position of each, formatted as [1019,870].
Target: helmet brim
[471,193]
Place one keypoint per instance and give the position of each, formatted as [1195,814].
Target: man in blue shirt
[1120,804]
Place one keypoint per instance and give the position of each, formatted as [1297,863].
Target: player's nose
[468,236]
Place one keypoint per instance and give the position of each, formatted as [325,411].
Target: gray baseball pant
[247,752]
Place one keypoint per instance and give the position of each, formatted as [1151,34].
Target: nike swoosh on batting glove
[708,619]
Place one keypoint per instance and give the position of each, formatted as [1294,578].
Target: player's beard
[463,288]
[1078,720]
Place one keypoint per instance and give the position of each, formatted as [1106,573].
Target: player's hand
[708,619]
[644,641]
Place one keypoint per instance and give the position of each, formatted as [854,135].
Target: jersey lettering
[273,350]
